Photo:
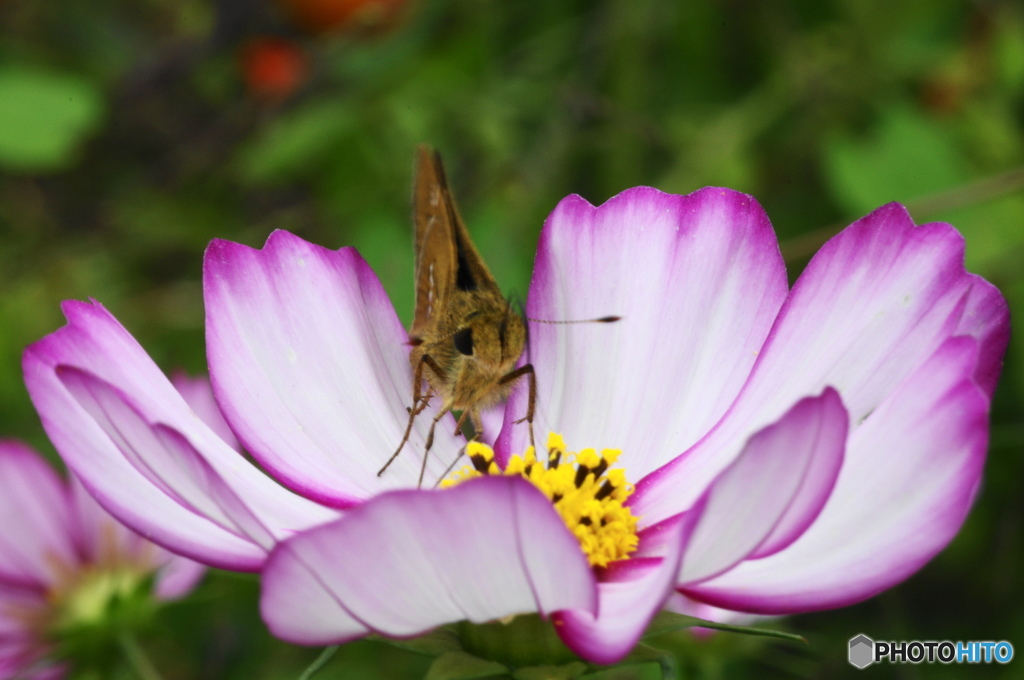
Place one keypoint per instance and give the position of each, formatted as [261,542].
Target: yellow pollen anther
[586,493]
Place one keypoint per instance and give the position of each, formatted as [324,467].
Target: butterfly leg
[478,424]
[451,466]
[430,441]
[419,402]
[532,400]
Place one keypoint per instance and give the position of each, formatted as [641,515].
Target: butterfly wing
[447,262]
[435,251]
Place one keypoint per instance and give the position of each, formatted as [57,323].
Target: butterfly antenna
[603,319]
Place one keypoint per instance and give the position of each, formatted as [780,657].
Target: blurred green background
[133,132]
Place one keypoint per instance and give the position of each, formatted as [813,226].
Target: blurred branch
[979,191]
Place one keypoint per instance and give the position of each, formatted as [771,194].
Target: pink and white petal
[626,607]
[252,520]
[310,365]
[20,608]
[173,465]
[770,494]
[103,539]
[198,394]
[986,317]
[98,535]
[101,536]
[408,561]
[88,450]
[36,532]
[22,649]
[15,656]
[911,472]
[299,605]
[873,304]
[94,350]
[697,280]
[178,576]
[44,669]
[492,420]
[24,659]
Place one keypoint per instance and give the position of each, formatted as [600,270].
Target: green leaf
[646,671]
[44,117]
[667,622]
[435,643]
[464,666]
[567,671]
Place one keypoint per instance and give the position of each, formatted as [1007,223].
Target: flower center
[95,596]
[587,494]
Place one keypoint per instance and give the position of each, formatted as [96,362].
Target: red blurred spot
[355,16]
[273,68]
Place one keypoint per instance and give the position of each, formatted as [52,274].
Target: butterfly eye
[464,341]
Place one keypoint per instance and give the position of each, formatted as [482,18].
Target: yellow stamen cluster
[87,593]
[586,493]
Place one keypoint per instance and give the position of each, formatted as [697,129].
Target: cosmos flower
[756,449]
[64,563]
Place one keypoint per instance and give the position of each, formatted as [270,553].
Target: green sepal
[667,622]
[644,656]
[644,671]
[644,663]
[460,665]
[569,671]
[525,641]
[435,643]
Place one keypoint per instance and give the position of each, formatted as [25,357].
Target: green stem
[137,658]
[320,662]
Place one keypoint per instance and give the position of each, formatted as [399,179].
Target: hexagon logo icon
[862,651]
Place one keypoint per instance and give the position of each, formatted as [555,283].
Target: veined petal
[628,602]
[35,518]
[408,561]
[173,465]
[83,379]
[911,471]
[873,304]
[697,280]
[298,603]
[771,493]
[310,366]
